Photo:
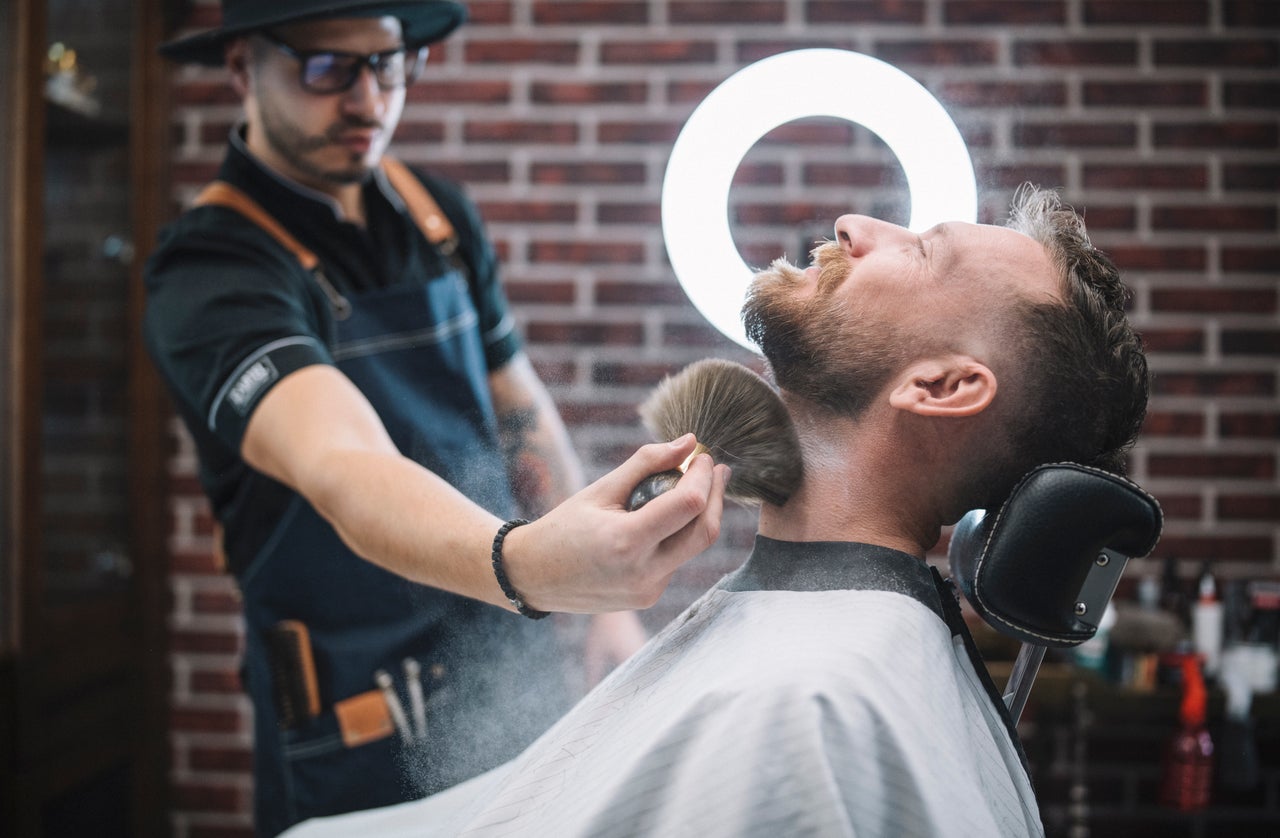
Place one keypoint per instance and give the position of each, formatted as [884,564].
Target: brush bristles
[740,418]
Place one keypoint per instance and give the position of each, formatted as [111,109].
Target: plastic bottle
[1206,624]
[1188,765]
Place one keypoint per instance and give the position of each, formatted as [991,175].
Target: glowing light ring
[760,97]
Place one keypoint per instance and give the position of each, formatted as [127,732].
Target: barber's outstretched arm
[315,432]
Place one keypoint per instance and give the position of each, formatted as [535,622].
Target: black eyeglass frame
[414,59]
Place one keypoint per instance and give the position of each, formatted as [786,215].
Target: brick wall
[1158,119]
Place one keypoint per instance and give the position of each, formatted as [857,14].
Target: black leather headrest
[1023,569]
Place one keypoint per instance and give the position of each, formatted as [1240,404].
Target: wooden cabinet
[82,677]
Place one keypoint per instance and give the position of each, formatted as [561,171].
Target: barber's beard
[299,149]
[819,347]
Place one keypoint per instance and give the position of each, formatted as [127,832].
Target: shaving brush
[738,419]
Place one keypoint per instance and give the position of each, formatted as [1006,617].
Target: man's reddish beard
[818,347]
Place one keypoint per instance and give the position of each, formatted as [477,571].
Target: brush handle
[652,486]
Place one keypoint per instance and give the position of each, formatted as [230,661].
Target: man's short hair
[1084,382]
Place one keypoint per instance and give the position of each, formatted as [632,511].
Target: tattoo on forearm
[529,465]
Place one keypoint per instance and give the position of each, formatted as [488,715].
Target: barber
[335,337]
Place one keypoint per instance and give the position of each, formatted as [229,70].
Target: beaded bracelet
[503,582]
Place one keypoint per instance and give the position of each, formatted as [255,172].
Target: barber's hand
[590,555]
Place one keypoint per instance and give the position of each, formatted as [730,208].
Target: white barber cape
[816,691]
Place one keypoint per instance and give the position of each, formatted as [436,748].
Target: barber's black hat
[424,21]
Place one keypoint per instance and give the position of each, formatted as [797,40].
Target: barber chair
[1043,568]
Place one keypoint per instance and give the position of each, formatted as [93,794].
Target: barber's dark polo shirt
[220,289]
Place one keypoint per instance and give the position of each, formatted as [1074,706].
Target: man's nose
[855,234]
[365,95]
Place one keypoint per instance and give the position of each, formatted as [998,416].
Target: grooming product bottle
[1207,624]
[1188,764]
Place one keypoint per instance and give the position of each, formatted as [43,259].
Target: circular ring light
[771,92]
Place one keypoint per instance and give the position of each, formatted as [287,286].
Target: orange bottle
[1188,765]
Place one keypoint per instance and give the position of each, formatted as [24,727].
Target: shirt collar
[834,566]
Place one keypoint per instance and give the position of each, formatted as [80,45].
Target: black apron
[492,680]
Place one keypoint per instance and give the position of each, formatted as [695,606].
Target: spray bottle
[1207,623]
[1188,765]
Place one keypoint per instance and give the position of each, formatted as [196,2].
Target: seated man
[827,687]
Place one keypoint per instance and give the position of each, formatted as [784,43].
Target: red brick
[557,372]
[1250,13]
[1251,94]
[1075,135]
[616,292]
[529,212]
[1002,94]
[1237,466]
[852,174]
[460,93]
[1263,425]
[758,174]
[1236,52]
[1249,507]
[1217,300]
[682,334]
[612,93]
[1110,218]
[1140,257]
[522,52]
[194,563]
[586,334]
[865,11]
[1004,13]
[631,375]
[934,53]
[1236,135]
[613,213]
[1148,176]
[1243,259]
[1183,507]
[204,720]
[206,681]
[1235,219]
[489,13]
[587,253]
[193,172]
[816,130]
[1146,95]
[1251,177]
[790,213]
[1064,53]
[1215,384]
[638,132]
[740,12]
[1012,176]
[420,132]
[1173,424]
[1241,548]
[689,92]
[666,51]
[581,413]
[748,52]
[217,602]
[204,758]
[519,131]
[611,13]
[1127,12]
[536,291]
[576,173]
[471,172]
[1251,342]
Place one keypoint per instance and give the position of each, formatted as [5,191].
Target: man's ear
[236,54]
[950,385]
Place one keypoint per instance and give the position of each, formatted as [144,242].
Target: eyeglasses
[335,72]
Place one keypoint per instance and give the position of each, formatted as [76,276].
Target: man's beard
[820,348]
[296,147]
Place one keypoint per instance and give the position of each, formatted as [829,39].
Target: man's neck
[856,488]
